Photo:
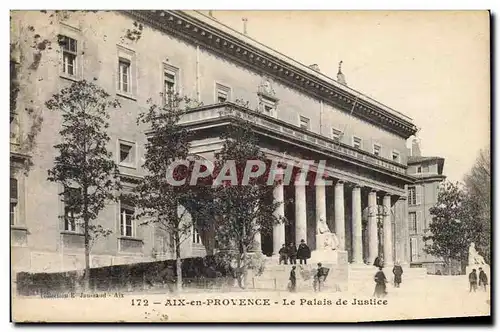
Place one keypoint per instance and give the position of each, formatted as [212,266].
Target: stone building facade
[136,55]
[423,195]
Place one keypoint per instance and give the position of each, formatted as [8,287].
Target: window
[419,169]
[71,209]
[357,142]
[69,54]
[412,196]
[169,87]
[13,201]
[413,222]
[395,156]
[267,105]
[304,122]
[425,169]
[376,149]
[222,93]
[414,249]
[124,75]
[126,220]
[127,154]
[196,236]
[336,134]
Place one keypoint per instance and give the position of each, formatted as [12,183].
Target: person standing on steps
[292,253]
[283,255]
[292,286]
[303,253]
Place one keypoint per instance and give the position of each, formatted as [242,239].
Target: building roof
[211,34]
[420,159]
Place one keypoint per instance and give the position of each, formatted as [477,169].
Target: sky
[431,66]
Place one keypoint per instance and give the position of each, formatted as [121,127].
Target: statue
[266,88]
[474,257]
[326,239]
[322,227]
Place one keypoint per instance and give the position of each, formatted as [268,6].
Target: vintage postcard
[249,166]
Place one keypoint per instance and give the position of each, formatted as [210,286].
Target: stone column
[339,214]
[372,226]
[388,259]
[320,204]
[257,242]
[300,213]
[357,230]
[279,229]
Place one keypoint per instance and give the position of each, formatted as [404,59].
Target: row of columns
[339,209]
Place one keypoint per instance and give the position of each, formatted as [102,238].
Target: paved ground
[432,297]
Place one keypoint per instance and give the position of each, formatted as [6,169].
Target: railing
[217,111]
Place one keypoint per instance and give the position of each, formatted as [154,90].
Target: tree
[158,200]
[453,227]
[245,208]
[478,186]
[84,166]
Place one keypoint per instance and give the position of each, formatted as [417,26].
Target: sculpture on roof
[340,75]
[266,88]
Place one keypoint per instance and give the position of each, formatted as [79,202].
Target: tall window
[13,201]
[124,75]
[336,134]
[376,149]
[223,93]
[414,249]
[169,85]
[69,51]
[413,222]
[305,123]
[127,154]
[419,169]
[126,220]
[357,142]
[412,195]
[71,208]
[196,236]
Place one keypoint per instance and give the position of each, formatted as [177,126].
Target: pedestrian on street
[398,272]
[292,253]
[473,281]
[283,255]
[483,279]
[303,253]
[380,283]
[292,286]
[378,262]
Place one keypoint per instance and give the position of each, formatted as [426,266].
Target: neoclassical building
[136,55]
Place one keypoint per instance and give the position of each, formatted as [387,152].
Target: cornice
[189,28]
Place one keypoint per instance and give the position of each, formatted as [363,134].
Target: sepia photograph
[185,166]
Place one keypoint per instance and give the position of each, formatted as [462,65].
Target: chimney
[210,13]
[415,148]
[315,67]
[340,76]
[244,19]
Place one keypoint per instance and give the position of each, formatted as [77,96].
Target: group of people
[381,280]
[473,280]
[291,253]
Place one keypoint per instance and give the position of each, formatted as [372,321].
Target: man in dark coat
[320,277]
[303,253]
[483,279]
[283,255]
[473,281]
[293,280]
[292,253]
[398,272]
[380,283]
